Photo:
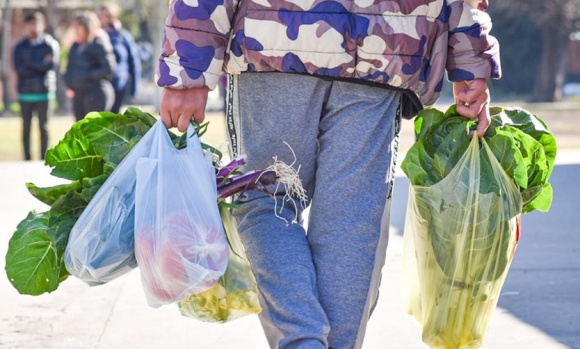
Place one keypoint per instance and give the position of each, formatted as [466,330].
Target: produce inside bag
[463,217]
[99,156]
[100,244]
[236,293]
[180,244]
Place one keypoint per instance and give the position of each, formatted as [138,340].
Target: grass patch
[14,108]
[11,136]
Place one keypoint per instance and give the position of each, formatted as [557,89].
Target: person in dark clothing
[35,60]
[91,62]
[127,74]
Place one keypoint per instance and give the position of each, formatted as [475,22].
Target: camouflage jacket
[406,44]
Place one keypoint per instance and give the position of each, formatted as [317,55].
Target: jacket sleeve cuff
[190,58]
[170,73]
[488,68]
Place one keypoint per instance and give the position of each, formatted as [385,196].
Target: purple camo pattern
[407,44]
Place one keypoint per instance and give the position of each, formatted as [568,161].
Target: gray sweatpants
[318,284]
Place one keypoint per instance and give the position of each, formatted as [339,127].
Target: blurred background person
[90,67]
[36,60]
[127,74]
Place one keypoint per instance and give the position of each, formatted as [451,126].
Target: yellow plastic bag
[460,238]
[236,292]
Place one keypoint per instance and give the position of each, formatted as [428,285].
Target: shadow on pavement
[543,284]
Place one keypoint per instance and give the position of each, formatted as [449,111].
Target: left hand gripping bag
[101,245]
[180,243]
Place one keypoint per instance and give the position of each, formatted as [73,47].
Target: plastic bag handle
[164,140]
[193,151]
[192,141]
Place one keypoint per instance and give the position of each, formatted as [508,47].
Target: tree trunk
[157,26]
[5,63]
[52,17]
[550,77]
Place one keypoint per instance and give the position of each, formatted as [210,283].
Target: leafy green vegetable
[463,215]
[86,155]
[520,141]
[74,157]
[50,194]
[522,145]
[112,135]
[32,260]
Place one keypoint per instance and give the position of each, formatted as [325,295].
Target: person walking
[332,80]
[36,61]
[90,66]
[127,74]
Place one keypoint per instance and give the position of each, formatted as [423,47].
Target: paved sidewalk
[539,307]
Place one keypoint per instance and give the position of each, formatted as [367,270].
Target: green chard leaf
[32,264]
[450,143]
[542,201]
[520,141]
[433,156]
[530,125]
[509,156]
[427,120]
[63,215]
[87,155]
[145,118]
[90,186]
[74,157]
[113,135]
[417,165]
[535,161]
[49,195]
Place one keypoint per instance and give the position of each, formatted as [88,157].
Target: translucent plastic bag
[460,238]
[100,246]
[236,293]
[180,244]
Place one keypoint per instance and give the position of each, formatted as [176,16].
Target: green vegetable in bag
[236,292]
[520,141]
[463,215]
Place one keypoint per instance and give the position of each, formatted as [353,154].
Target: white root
[289,177]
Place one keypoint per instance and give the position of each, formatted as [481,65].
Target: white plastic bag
[100,246]
[180,244]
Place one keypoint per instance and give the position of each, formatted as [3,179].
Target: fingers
[191,111]
[165,109]
[470,97]
[465,100]
[484,121]
[179,107]
[471,108]
[472,101]
[183,121]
